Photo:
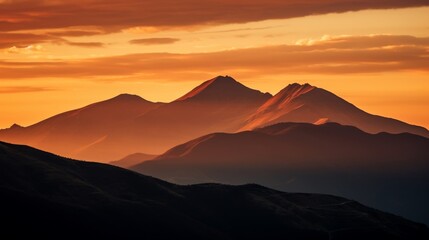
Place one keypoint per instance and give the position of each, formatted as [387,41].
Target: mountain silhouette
[112,129]
[387,171]
[51,197]
[132,159]
[306,103]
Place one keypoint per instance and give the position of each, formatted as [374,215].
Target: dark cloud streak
[112,15]
[8,40]
[22,89]
[74,33]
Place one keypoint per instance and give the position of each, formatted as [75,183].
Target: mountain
[386,171]
[51,197]
[306,103]
[112,129]
[132,160]
[74,132]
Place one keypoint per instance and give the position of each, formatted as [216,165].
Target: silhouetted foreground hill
[44,195]
[386,171]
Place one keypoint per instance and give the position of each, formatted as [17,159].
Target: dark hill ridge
[51,197]
[386,171]
[115,128]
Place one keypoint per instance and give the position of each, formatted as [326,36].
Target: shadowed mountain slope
[52,197]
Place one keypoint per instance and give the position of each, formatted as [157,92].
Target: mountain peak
[16,126]
[223,88]
[287,94]
[128,97]
[296,89]
[225,78]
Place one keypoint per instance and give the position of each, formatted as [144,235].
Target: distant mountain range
[50,197]
[112,129]
[387,171]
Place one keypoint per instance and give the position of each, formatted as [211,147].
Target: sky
[58,55]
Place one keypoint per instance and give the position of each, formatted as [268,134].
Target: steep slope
[72,133]
[384,170]
[132,160]
[52,197]
[306,103]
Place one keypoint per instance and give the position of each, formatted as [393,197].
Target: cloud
[56,20]
[74,33]
[22,89]
[240,29]
[8,40]
[328,55]
[84,44]
[112,15]
[30,49]
[26,40]
[370,41]
[154,41]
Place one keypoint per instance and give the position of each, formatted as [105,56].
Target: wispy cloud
[328,55]
[30,49]
[84,44]
[8,40]
[154,41]
[24,40]
[74,33]
[22,89]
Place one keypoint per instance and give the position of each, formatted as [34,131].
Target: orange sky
[59,55]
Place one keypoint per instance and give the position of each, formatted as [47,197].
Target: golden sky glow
[56,55]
